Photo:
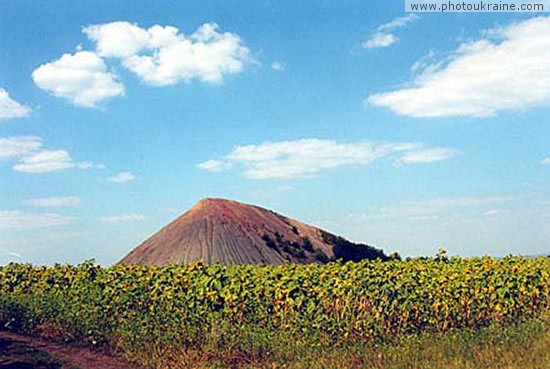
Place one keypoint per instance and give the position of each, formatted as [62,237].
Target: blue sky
[404,131]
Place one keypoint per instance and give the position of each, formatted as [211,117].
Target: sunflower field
[151,312]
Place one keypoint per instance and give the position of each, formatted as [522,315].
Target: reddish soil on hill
[229,232]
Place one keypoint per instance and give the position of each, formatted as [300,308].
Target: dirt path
[22,352]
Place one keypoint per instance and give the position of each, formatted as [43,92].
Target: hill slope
[229,232]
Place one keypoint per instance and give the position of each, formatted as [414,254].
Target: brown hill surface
[229,232]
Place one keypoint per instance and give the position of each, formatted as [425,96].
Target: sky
[408,132]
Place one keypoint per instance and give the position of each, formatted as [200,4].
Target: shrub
[321,256]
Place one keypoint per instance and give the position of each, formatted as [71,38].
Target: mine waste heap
[219,231]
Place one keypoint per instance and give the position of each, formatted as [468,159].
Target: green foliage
[442,255]
[269,242]
[348,251]
[395,256]
[307,244]
[135,308]
[321,256]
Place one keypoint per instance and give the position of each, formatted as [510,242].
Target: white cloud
[421,226]
[383,36]
[31,158]
[54,202]
[118,39]
[90,165]
[81,77]
[161,55]
[278,66]
[508,69]
[307,157]
[380,40]
[398,22]
[16,219]
[45,161]
[434,207]
[214,165]
[123,218]
[492,213]
[17,146]
[545,161]
[427,155]
[10,108]
[122,177]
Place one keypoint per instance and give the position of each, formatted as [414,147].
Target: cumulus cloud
[545,161]
[161,55]
[308,157]
[81,77]
[119,39]
[122,177]
[9,108]
[32,158]
[509,68]
[45,161]
[123,218]
[383,36]
[54,202]
[16,219]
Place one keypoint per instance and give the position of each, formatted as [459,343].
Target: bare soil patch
[22,352]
